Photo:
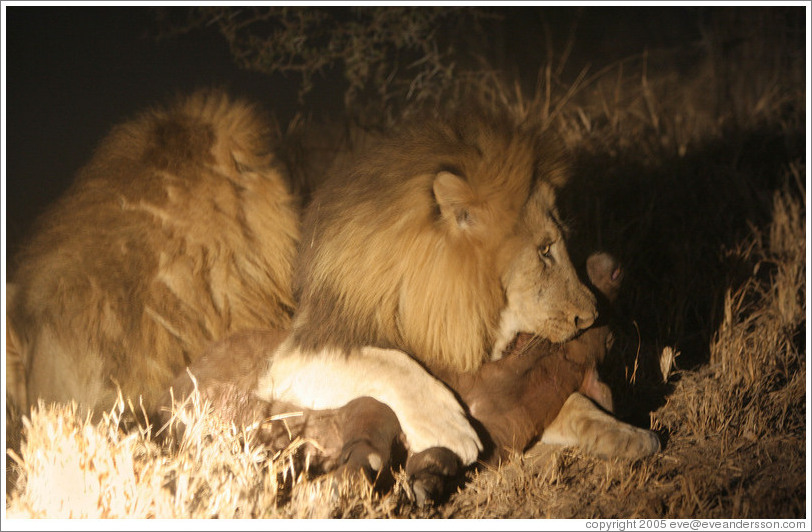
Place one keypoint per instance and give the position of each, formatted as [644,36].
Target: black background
[73,72]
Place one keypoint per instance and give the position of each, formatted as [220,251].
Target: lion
[429,252]
[180,230]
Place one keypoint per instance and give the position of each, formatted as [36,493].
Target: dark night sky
[73,72]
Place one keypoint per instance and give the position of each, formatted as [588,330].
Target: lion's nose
[585,320]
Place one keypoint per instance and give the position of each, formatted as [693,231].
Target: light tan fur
[180,230]
[420,245]
[333,379]
[439,243]
[582,424]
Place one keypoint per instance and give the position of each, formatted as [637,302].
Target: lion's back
[180,230]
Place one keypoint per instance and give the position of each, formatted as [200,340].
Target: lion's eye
[545,251]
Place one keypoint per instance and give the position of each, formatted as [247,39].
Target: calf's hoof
[433,473]
[361,456]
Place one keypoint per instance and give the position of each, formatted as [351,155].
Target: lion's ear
[455,199]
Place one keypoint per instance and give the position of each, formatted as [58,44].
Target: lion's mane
[407,247]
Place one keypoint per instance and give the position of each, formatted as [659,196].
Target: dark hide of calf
[360,436]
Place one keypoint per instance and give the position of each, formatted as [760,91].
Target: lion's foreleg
[582,424]
[429,413]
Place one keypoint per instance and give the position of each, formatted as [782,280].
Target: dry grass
[691,168]
[72,467]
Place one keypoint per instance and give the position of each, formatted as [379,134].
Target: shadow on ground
[675,226]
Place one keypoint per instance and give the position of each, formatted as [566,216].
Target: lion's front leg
[582,424]
[429,413]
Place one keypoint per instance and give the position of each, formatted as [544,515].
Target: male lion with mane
[429,254]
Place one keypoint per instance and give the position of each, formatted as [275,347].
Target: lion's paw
[626,441]
[582,424]
[442,424]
